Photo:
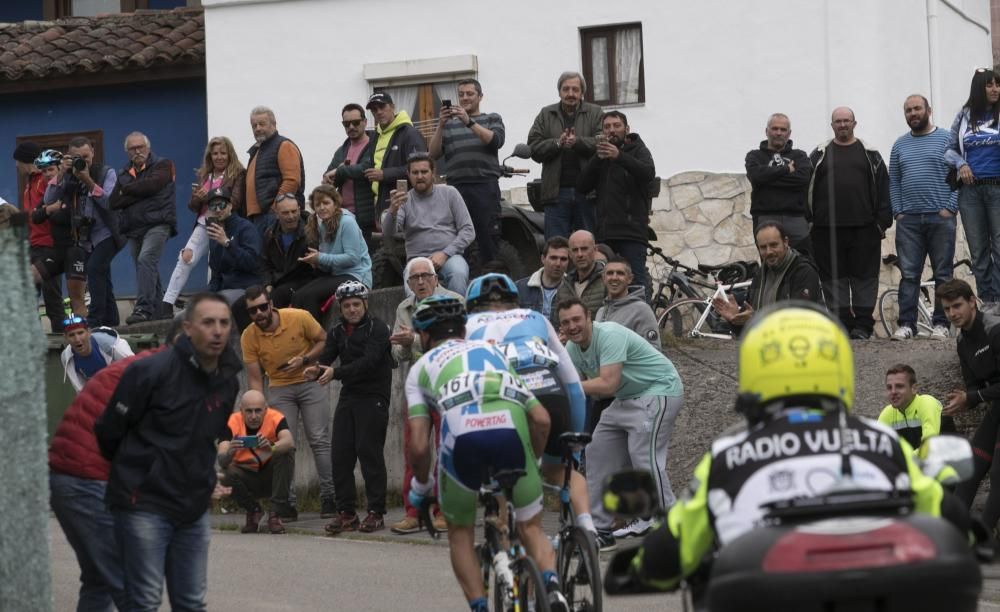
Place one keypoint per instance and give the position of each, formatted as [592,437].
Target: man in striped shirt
[469,140]
[925,208]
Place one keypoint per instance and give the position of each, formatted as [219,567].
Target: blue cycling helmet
[437,309]
[490,287]
[48,158]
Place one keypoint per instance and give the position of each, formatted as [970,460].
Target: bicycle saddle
[574,440]
[508,478]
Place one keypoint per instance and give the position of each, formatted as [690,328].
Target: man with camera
[469,140]
[145,195]
[256,453]
[85,189]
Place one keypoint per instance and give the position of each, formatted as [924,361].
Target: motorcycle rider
[796,375]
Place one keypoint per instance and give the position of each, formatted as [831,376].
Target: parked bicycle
[516,581]
[577,561]
[888,302]
[676,281]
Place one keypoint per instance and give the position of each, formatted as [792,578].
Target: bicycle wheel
[529,589]
[888,310]
[679,319]
[580,571]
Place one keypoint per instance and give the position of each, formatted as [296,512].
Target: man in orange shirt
[275,171]
[257,455]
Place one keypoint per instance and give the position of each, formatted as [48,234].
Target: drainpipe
[933,52]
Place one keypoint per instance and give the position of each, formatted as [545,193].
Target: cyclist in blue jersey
[533,349]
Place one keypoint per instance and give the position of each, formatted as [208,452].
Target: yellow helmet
[796,350]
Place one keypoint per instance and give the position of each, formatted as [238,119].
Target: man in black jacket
[779,175]
[346,171]
[361,341]
[621,172]
[396,139]
[159,432]
[851,210]
[145,194]
[785,274]
[284,245]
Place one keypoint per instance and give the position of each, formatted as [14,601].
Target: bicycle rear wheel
[580,571]
[679,319]
[529,588]
[888,310]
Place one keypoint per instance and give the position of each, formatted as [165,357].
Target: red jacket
[74,448]
[39,234]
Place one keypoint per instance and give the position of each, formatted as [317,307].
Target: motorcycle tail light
[816,550]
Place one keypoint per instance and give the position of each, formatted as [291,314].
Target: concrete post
[24,495]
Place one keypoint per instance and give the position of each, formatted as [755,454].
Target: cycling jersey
[916,422]
[483,405]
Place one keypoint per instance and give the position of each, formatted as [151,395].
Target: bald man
[258,455]
[851,210]
[584,280]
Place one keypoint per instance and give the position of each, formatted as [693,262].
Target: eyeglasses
[252,310]
[217,204]
[352,123]
[422,277]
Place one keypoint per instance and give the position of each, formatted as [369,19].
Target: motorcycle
[847,549]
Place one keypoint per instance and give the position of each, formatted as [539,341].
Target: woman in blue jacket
[337,250]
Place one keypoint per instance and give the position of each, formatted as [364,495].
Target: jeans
[146,251]
[198,244]
[979,206]
[103,307]
[571,212]
[311,402]
[919,236]
[483,202]
[454,274]
[154,547]
[78,504]
[635,253]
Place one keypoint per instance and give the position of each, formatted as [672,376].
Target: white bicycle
[697,318]
[888,302]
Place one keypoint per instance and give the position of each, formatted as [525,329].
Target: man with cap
[233,252]
[87,353]
[396,139]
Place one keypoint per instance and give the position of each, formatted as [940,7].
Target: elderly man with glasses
[421,282]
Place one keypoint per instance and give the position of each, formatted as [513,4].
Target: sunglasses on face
[352,123]
[252,310]
[218,205]
[74,320]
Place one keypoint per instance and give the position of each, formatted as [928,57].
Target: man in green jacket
[562,139]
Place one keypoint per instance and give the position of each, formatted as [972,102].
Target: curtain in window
[405,98]
[628,54]
[446,91]
[599,59]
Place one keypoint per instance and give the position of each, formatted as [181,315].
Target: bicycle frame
[720,292]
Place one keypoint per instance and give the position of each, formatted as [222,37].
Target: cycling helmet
[490,287]
[352,288]
[795,349]
[437,309]
[48,158]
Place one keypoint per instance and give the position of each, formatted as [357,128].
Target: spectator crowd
[284,258]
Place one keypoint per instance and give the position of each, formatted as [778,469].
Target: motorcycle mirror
[522,150]
[941,452]
[631,493]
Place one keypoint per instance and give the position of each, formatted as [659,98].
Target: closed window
[613,64]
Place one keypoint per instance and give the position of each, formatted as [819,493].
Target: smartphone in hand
[248,441]
[402,185]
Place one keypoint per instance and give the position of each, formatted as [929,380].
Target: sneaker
[327,508]
[409,524]
[439,523]
[859,334]
[138,317]
[902,333]
[940,332]
[372,522]
[635,528]
[253,521]
[557,602]
[343,521]
[287,513]
[274,523]
[606,541]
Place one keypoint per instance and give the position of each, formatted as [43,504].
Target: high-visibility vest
[254,459]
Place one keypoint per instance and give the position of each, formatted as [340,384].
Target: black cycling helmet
[490,287]
[437,309]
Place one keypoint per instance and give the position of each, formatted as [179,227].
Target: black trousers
[483,202]
[312,296]
[855,252]
[282,294]
[271,481]
[985,442]
[359,427]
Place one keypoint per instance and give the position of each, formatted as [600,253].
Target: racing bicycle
[888,302]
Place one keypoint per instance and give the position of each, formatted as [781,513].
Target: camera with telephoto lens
[79,164]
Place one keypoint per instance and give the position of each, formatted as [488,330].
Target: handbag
[952,179]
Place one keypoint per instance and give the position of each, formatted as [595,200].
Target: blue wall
[21,10]
[171,113]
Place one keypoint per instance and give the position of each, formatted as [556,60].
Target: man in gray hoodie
[625,304]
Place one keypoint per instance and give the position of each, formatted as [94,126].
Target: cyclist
[488,419]
[533,349]
[796,375]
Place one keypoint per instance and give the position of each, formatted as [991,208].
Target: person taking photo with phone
[233,252]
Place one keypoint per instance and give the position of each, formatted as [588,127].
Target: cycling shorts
[549,390]
[53,261]
[472,443]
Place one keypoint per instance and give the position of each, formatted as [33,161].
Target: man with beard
[780,177]
[785,275]
[621,172]
[345,171]
[925,208]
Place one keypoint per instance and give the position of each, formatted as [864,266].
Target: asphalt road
[303,573]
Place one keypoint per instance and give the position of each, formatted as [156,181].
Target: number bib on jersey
[479,387]
[529,354]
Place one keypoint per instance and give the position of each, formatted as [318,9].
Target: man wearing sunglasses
[87,353]
[345,171]
[233,252]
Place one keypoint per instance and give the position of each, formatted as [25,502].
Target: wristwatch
[470,123]
[228,240]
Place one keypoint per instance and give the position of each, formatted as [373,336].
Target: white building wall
[714,69]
